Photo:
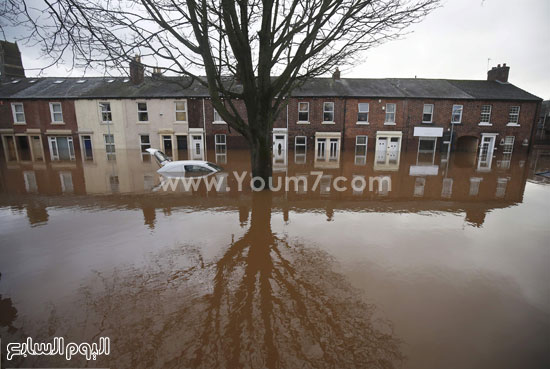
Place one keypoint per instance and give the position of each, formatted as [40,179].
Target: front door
[381,148]
[197,151]
[167,146]
[61,148]
[321,145]
[279,147]
[486,150]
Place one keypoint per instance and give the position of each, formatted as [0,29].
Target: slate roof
[175,87]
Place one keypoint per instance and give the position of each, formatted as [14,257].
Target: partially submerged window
[220,141]
[110,146]
[145,143]
[300,144]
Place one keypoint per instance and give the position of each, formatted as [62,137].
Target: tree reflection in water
[264,304]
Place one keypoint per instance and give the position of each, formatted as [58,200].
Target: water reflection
[264,303]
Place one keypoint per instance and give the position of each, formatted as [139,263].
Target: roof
[177,87]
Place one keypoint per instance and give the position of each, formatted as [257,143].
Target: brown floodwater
[447,267]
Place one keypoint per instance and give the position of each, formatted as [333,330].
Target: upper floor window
[303,112]
[181,111]
[456,116]
[427,113]
[18,112]
[328,112]
[56,112]
[217,117]
[106,115]
[513,115]
[390,114]
[143,114]
[363,112]
[485,114]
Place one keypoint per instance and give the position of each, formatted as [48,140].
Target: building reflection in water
[421,180]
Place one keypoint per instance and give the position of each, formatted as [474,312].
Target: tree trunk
[260,156]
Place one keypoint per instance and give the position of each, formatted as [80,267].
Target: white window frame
[141,143]
[325,111]
[52,113]
[107,112]
[359,111]
[431,113]
[219,120]
[357,144]
[304,145]
[107,144]
[453,114]
[301,121]
[146,111]
[15,113]
[220,144]
[180,111]
[515,115]
[386,120]
[487,114]
[83,147]
[508,144]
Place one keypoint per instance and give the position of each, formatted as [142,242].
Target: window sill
[143,122]
[485,124]
[57,123]
[181,122]
[389,124]
[456,123]
[302,122]
[362,123]
[218,122]
[327,122]
[106,123]
[427,122]
[512,125]
[20,123]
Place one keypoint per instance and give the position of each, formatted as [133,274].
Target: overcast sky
[453,42]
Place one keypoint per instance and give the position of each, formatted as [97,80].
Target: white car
[182,167]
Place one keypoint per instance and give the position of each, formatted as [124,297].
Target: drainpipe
[204,128]
[344,123]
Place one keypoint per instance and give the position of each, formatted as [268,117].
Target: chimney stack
[11,65]
[498,73]
[336,74]
[136,70]
[157,72]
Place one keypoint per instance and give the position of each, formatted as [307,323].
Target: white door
[61,148]
[334,149]
[486,150]
[381,148]
[279,147]
[197,150]
[393,149]
[321,144]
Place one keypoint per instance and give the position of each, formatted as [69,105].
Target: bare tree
[251,50]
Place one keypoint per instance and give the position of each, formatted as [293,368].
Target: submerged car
[182,167]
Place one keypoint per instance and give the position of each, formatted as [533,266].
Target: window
[145,143]
[300,144]
[143,115]
[426,150]
[419,185]
[328,112]
[508,146]
[501,187]
[447,188]
[87,151]
[485,114]
[474,185]
[181,111]
[456,116]
[217,117]
[321,144]
[303,112]
[109,146]
[390,114]
[106,116]
[18,113]
[513,115]
[56,113]
[427,113]
[360,145]
[221,146]
[334,149]
[363,112]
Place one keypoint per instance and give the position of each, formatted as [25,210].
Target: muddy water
[447,268]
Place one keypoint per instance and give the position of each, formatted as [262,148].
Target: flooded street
[445,268]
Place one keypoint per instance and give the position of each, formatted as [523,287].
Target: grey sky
[453,42]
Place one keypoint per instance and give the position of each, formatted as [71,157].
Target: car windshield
[161,156]
[215,166]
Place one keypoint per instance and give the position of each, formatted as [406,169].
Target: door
[36,145]
[393,149]
[334,149]
[24,148]
[486,150]
[279,147]
[181,146]
[321,145]
[11,152]
[61,148]
[197,151]
[167,146]
[381,148]
[87,148]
